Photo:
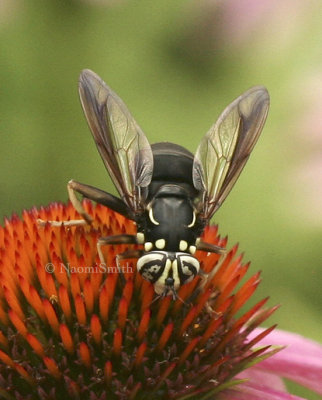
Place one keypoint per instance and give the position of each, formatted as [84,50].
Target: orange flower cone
[73,328]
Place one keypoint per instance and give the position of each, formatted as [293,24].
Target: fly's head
[168,271]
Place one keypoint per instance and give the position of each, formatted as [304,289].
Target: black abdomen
[172,165]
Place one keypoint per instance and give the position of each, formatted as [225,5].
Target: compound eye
[188,268]
[151,266]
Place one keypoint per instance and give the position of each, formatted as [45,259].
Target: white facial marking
[183,245]
[140,237]
[175,274]
[160,285]
[193,220]
[148,246]
[147,258]
[192,249]
[152,217]
[160,244]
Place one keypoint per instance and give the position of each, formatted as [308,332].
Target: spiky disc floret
[75,329]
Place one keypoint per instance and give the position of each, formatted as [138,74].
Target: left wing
[226,147]
[124,148]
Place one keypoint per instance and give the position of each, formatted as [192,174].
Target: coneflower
[72,328]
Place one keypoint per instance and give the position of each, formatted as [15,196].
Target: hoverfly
[169,193]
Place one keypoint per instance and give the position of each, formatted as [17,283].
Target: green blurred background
[177,64]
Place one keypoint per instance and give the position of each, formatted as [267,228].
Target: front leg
[118,239]
[97,195]
[72,189]
[92,193]
[210,248]
[132,253]
[87,219]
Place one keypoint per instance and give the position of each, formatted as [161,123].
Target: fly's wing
[226,147]
[125,150]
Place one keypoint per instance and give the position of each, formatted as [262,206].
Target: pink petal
[300,361]
[270,380]
[255,391]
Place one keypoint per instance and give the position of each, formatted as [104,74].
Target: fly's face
[168,270]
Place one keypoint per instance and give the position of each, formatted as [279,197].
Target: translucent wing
[125,150]
[226,147]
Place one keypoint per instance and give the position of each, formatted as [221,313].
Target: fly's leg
[210,248]
[87,219]
[92,193]
[207,277]
[133,253]
[116,239]
[99,196]
[204,279]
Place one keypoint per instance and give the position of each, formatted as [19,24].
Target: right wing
[224,150]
